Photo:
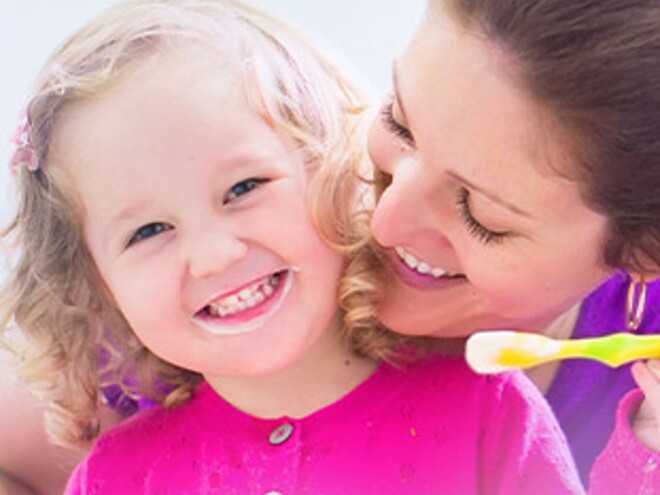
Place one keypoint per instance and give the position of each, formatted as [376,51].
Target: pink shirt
[435,428]
[626,466]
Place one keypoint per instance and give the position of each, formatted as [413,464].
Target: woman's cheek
[380,146]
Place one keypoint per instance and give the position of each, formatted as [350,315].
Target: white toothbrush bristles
[498,351]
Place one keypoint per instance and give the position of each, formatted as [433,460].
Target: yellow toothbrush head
[497,351]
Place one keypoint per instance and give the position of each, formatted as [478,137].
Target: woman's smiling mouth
[420,274]
[422,267]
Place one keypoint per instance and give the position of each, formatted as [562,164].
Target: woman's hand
[646,424]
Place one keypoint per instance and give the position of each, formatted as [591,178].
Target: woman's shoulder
[604,310]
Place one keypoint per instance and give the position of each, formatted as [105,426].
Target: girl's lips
[420,281]
[244,297]
[248,319]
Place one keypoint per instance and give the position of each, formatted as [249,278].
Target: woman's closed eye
[475,227]
[242,188]
[147,231]
[395,127]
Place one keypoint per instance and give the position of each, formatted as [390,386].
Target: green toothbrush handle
[615,349]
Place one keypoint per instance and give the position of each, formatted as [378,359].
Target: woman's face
[479,231]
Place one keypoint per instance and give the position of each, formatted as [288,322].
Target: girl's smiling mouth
[245,309]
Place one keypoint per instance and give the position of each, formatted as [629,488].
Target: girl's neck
[323,375]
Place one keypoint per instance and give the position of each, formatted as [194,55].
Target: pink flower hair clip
[24,154]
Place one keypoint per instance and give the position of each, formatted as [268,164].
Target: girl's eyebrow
[121,217]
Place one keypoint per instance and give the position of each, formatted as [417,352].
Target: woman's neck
[561,328]
[323,375]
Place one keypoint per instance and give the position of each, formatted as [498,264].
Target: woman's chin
[416,323]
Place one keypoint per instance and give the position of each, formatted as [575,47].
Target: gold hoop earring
[635,303]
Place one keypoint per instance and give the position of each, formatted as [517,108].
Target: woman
[519,167]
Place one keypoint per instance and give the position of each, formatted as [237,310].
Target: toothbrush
[497,351]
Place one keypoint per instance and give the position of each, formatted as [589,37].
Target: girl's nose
[211,250]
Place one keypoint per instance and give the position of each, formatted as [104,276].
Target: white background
[365,34]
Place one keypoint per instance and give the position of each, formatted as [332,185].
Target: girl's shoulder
[128,450]
[449,379]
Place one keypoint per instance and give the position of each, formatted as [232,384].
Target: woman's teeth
[246,298]
[421,266]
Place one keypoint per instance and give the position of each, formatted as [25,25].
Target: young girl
[175,161]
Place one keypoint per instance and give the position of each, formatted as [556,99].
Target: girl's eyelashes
[155,228]
[475,228]
[243,187]
[147,231]
[393,126]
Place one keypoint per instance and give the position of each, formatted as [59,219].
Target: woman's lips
[423,281]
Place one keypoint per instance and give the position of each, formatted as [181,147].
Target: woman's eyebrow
[491,195]
[395,88]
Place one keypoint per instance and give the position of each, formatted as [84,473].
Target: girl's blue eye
[241,188]
[149,230]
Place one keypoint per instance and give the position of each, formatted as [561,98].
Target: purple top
[584,394]
[434,427]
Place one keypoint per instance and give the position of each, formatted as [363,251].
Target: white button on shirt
[281,434]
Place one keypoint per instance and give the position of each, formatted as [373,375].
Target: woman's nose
[396,214]
[410,212]
[211,249]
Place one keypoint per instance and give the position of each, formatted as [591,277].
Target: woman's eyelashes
[474,227]
[393,126]
[242,188]
[147,231]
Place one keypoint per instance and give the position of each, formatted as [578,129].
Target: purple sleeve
[626,466]
[585,394]
[527,451]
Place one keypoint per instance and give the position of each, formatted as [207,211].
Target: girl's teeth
[230,301]
[246,298]
[420,266]
[245,294]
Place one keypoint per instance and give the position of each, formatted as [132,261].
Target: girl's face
[479,233]
[196,214]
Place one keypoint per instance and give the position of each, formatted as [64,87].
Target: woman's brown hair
[593,67]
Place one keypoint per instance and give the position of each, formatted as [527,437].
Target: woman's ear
[646,277]
[636,299]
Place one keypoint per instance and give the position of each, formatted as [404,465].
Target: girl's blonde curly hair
[78,340]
